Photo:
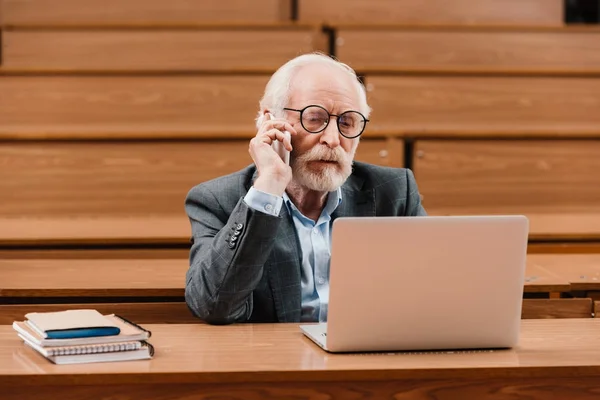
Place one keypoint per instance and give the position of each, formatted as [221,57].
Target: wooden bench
[64,180]
[147,290]
[151,287]
[218,49]
[174,312]
[540,280]
[581,270]
[486,12]
[503,106]
[374,49]
[133,106]
[552,181]
[557,308]
[141,12]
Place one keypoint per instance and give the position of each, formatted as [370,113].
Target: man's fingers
[282,125]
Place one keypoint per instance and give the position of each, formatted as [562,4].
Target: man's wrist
[263,202]
[271,186]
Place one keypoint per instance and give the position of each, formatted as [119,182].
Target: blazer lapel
[356,201]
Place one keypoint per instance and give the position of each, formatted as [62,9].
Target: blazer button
[239,227]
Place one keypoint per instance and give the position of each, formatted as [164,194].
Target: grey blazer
[245,264]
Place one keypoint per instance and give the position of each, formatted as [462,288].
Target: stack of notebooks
[84,336]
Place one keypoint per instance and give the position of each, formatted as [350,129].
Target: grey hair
[277,91]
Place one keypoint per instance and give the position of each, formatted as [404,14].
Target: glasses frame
[329,119]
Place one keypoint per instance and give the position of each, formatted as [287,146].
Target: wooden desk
[556,227]
[151,290]
[93,278]
[582,271]
[144,290]
[166,277]
[176,229]
[555,359]
[544,227]
[106,230]
[538,279]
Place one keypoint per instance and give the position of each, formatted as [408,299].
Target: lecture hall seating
[150,287]
[129,103]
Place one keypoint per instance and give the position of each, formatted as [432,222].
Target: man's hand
[273,174]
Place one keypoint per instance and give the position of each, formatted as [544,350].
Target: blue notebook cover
[82,332]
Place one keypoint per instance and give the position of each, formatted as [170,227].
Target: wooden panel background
[143,106]
[42,179]
[158,50]
[511,12]
[455,49]
[556,308]
[471,105]
[140,313]
[95,278]
[142,12]
[509,176]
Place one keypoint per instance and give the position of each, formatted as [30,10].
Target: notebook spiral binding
[94,348]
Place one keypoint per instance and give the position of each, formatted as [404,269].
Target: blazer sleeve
[414,207]
[226,257]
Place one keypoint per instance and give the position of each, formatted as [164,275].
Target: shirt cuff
[263,202]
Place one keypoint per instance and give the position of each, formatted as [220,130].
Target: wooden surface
[566,50]
[242,50]
[141,313]
[84,254]
[141,12]
[564,226]
[92,230]
[130,277]
[581,270]
[143,178]
[93,278]
[127,178]
[540,280]
[468,105]
[175,229]
[556,308]
[141,106]
[557,358]
[178,312]
[509,176]
[492,12]
[557,247]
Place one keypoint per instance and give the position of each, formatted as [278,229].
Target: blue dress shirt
[315,243]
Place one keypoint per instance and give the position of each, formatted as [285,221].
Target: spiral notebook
[95,353]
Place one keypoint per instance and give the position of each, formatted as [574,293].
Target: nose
[330,136]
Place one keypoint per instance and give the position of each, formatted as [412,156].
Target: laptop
[424,283]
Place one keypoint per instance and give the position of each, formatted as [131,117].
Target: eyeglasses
[314,119]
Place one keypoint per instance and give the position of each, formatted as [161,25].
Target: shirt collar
[334,199]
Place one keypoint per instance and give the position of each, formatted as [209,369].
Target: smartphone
[280,149]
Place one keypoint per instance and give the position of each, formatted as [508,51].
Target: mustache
[318,153]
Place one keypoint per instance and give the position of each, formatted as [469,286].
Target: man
[261,236]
